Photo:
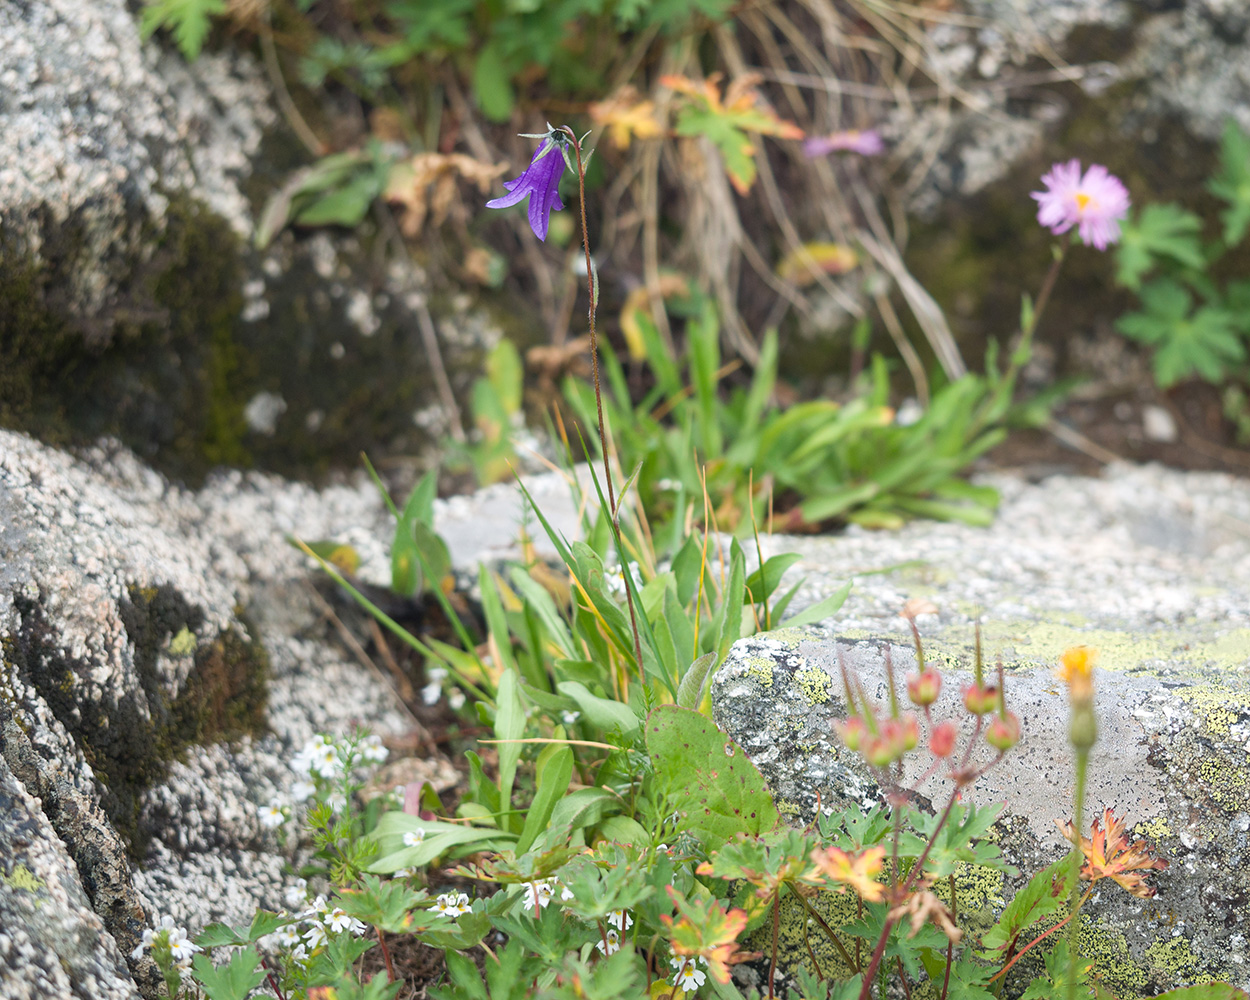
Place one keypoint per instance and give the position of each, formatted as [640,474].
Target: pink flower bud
[942,739]
[980,700]
[1004,732]
[851,732]
[924,688]
[880,751]
[910,735]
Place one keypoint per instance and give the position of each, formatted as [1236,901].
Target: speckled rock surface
[1150,567]
[1186,64]
[52,944]
[121,596]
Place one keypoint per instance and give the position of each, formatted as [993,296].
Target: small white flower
[456,699]
[621,920]
[398,793]
[442,905]
[413,837]
[297,895]
[405,873]
[299,953]
[536,896]
[149,936]
[688,976]
[327,762]
[372,750]
[273,816]
[566,894]
[569,718]
[180,946]
[288,936]
[315,936]
[458,904]
[338,921]
[302,791]
[337,801]
[317,910]
[611,944]
[431,693]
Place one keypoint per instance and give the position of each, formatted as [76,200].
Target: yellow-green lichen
[1216,705]
[1230,786]
[788,637]
[1179,963]
[1153,829]
[814,685]
[1113,964]
[183,644]
[23,878]
[759,669]
[978,893]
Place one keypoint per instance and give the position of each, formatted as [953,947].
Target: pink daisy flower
[1094,203]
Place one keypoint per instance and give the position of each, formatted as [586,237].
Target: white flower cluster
[536,896]
[313,925]
[325,759]
[452,905]
[180,947]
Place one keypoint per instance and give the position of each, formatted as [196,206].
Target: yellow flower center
[1082,201]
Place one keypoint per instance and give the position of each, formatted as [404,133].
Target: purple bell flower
[540,182]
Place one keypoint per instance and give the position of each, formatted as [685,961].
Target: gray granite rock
[129,608]
[1150,567]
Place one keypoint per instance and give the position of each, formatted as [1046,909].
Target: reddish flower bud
[880,751]
[980,700]
[1004,732]
[942,739]
[851,732]
[924,688]
[910,735]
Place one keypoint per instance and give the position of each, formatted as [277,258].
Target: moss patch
[129,740]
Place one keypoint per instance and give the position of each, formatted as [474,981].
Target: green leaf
[189,20]
[439,838]
[690,692]
[762,584]
[718,790]
[509,727]
[492,82]
[1159,231]
[1045,894]
[821,609]
[233,981]
[1206,991]
[1233,182]
[605,714]
[1205,343]
[555,768]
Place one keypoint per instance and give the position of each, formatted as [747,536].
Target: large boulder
[1150,567]
[132,299]
[164,656]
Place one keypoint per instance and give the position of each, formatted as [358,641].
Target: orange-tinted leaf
[707,929]
[624,116]
[804,265]
[859,871]
[1108,854]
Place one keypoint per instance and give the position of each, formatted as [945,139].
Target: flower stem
[594,369]
[1078,858]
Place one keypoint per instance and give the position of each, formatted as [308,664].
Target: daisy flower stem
[593,291]
[1048,285]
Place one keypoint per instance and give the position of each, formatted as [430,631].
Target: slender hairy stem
[852,963]
[1048,285]
[592,291]
[273,983]
[772,966]
[1038,940]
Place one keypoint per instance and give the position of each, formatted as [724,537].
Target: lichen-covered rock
[132,301]
[1151,568]
[163,659]
[52,943]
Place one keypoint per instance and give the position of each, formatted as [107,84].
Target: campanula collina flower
[540,182]
[1094,203]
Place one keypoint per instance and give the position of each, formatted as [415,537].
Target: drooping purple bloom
[1094,203]
[865,143]
[540,182]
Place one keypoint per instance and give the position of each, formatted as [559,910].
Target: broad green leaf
[713,784]
[1206,991]
[555,768]
[763,583]
[233,981]
[1159,231]
[604,714]
[1045,894]
[492,82]
[438,839]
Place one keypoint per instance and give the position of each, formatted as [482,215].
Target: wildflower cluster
[324,770]
[168,944]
